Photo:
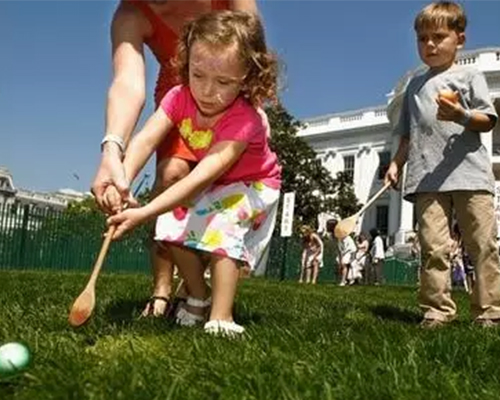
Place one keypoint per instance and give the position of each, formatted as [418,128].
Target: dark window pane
[382,222]
[349,166]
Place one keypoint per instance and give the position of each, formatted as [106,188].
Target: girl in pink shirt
[226,207]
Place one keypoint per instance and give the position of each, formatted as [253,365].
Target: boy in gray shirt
[443,112]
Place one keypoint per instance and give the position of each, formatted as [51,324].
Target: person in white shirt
[346,252]
[377,254]
[358,265]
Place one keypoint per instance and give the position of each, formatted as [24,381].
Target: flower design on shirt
[180,213]
[232,202]
[197,139]
[258,218]
[212,238]
[259,186]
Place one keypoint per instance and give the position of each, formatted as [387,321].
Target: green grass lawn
[302,342]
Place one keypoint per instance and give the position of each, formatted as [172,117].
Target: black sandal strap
[163,298]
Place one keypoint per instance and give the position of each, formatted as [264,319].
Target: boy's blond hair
[442,13]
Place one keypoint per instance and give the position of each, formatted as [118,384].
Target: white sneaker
[220,327]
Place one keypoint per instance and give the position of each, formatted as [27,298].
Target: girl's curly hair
[226,28]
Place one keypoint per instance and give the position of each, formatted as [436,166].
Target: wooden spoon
[347,225]
[84,304]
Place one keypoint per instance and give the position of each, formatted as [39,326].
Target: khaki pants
[476,219]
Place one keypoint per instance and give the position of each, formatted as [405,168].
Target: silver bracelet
[114,139]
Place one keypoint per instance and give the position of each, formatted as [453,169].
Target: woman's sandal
[225,328]
[170,307]
[186,318]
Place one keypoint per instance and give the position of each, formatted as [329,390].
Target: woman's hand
[127,220]
[110,173]
[113,201]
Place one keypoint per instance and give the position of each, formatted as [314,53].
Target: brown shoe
[427,323]
[487,322]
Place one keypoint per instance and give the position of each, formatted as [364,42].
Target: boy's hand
[127,220]
[449,109]
[392,174]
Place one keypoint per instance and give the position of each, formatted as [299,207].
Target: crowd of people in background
[359,259]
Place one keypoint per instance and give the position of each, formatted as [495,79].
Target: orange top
[163,44]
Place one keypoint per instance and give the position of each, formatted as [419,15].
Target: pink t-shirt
[241,122]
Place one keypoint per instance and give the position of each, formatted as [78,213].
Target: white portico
[361,142]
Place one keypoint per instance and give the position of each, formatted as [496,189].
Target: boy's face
[437,46]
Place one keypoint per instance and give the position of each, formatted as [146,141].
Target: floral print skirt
[236,221]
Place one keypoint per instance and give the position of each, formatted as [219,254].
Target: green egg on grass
[14,357]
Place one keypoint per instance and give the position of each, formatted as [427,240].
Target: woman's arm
[126,98]
[127,93]
[145,143]
[319,243]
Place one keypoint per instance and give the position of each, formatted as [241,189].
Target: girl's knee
[170,171]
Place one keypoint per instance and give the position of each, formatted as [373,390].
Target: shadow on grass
[127,312]
[247,318]
[246,314]
[124,312]
[9,385]
[396,314]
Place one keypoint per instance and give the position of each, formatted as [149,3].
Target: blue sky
[55,71]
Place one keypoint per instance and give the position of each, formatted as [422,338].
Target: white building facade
[14,201]
[361,142]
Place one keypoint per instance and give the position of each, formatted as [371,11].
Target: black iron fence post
[283,259]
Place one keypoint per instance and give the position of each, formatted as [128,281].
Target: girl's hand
[449,109]
[127,220]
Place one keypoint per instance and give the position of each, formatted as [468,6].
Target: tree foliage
[85,219]
[315,189]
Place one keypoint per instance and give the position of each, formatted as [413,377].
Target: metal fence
[33,238]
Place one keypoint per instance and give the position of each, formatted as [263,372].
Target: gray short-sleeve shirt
[443,155]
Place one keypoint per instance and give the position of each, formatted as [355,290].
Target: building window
[384,161]
[382,222]
[349,167]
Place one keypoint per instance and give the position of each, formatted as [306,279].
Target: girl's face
[216,76]
[437,46]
